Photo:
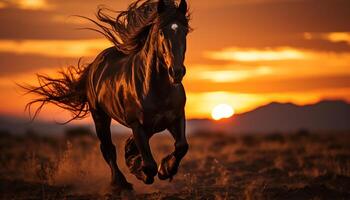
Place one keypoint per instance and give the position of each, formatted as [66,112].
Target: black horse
[137,82]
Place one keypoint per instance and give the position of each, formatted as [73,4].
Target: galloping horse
[137,82]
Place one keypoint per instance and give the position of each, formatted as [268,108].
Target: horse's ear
[161,6]
[183,6]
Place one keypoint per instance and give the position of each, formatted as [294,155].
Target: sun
[222,111]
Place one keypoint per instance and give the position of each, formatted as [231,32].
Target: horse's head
[171,40]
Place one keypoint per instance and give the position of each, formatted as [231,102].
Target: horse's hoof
[146,176]
[168,168]
[164,175]
[148,180]
[142,176]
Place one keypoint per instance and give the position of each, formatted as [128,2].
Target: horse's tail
[68,92]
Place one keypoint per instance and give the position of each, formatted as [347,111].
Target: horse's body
[116,85]
[137,83]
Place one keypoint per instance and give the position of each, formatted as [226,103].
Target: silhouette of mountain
[274,117]
[285,117]
[19,125]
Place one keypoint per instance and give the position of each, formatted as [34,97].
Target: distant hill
[285,117]
[273,117]
[18,125]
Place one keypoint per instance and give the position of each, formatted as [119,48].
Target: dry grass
[275,166]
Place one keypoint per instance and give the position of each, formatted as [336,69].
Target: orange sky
[244,53]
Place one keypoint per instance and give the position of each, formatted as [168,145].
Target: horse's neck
[150,71]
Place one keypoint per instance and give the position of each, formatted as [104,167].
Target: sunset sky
[244,53]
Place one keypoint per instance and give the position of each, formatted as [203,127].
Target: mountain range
[327,115]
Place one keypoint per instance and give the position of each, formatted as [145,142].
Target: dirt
[262,166]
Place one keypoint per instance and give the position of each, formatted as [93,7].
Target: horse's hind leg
[133,158]
[169,165]
[102,125]
[139,157]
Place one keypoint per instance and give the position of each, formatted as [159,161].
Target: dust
[283,166]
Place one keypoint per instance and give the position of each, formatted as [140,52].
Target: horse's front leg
[147,169]
[102,124]
[169,165]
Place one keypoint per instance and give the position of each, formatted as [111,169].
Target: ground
[299,166]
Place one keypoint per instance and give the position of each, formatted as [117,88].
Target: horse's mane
[130,28]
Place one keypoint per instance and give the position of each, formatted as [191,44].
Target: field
[301,165]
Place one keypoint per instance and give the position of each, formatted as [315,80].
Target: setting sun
[222,111]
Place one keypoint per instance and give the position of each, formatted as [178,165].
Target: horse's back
[102,63]
[102,73]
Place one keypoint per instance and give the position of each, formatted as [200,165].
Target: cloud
[269,24]
[40,25]
[27,4]
[273,84]
[208,73]
[55,48]
[209,4]
[285,59]
[315,70]
[33,4]
[246,24]
[14,64]
[335,37]
[249,55]
[2,5]
[339,37]
[69,20]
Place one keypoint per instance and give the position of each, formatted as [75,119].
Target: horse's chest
[164,117]
[160,120]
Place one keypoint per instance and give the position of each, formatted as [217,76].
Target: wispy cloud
[33,4]
[339,37]
[332,36]
[225,75]
[2,5]
[55,48]
[286,62]
[69,20]
[251,55]
[27,4]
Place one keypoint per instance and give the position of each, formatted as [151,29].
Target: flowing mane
[129,29]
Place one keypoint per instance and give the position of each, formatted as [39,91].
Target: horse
[137,82]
